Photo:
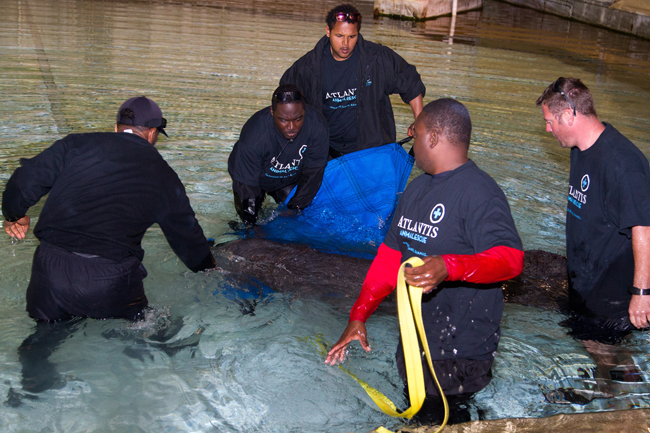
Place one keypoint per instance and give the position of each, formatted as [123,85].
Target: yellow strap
[410,315]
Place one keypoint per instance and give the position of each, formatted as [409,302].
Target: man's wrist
[636,291]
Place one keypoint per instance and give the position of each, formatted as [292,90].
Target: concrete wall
[597,12]
[422,9]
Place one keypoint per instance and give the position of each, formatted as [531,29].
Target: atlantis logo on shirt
[578,198]
[437,213]
[419,231]
[338,97]
[278,167]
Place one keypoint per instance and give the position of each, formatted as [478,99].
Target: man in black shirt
[279,147]
[350,80]
[105,190]
[607,221]
[456,218]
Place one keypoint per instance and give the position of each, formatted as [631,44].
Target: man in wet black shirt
[350,81]
[607,226]
[279,147]
[105,190]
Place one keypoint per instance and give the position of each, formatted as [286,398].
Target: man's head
[343,25]
[142,116]
[442,134]
[288,110]
[561,102]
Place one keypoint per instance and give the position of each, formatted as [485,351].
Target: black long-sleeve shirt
[105,190]
[263,160]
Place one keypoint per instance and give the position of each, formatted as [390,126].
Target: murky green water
[65,66]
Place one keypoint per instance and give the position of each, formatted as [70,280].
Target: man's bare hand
[427,276]
[356,330]
[640,311]
[17,229]
[411,130]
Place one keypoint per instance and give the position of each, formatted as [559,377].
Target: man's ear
[571,117]
[116,127]
[327,30]
[152,135]
[433,138]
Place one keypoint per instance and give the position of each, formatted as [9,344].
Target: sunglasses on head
[287,96]
[557,88]
[352,17]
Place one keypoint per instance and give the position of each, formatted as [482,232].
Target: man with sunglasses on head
[608,218]
[350,80]
[279,147]
[105,190]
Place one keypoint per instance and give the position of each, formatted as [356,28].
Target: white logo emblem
[584,183]
[437,213]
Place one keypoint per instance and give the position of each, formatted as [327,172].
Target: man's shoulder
[471,181]
[311,57]
[418,184]
[261,116]
[618,149]
[375,49]
[257,128]
[482,183]
[80,142]
[258,121]
[87,137]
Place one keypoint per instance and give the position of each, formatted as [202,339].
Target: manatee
[300,269]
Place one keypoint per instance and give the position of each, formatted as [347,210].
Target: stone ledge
[626,16]
[422,9]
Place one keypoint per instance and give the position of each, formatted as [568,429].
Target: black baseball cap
[142,111]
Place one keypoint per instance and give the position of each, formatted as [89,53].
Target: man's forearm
[492,265]
[416,105]
[379,283]
[641,250]
[639,309]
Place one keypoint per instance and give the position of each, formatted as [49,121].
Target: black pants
[456,376]
[605,330]
[64,285]
[459,378]
[281,195]
[39,374]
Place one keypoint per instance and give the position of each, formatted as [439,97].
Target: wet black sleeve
[248,200]
[402,77]
[182,229]
[32,180]
[308,185]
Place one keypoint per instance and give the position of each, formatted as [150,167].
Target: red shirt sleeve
[492,265]
[379,283]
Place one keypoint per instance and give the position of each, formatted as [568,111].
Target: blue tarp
[365,185]
[352,210]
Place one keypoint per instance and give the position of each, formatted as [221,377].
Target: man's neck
[450,164]
[592,128]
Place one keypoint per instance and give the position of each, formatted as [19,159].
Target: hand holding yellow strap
[409,308]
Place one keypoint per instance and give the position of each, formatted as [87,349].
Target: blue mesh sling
[354,204]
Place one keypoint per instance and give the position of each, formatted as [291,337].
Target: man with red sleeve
[456,218]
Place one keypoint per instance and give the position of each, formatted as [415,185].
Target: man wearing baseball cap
[105,190]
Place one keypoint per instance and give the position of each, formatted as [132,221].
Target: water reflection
[66,65]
